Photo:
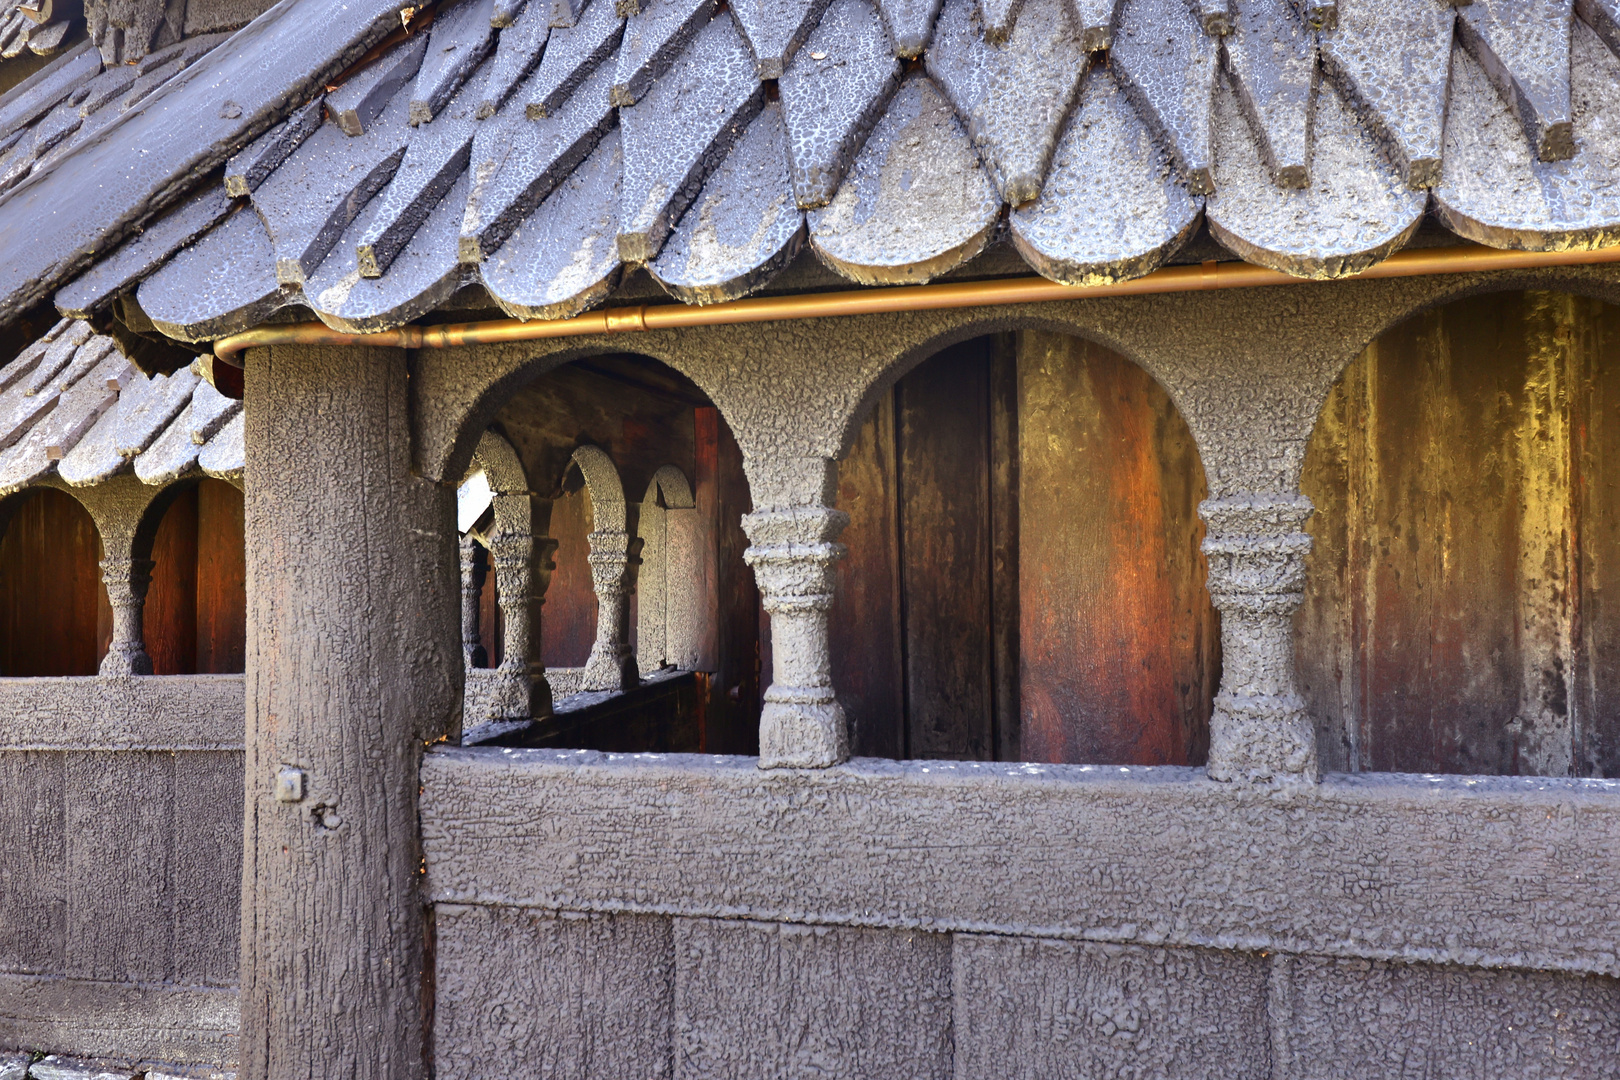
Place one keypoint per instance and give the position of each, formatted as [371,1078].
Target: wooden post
[353,663]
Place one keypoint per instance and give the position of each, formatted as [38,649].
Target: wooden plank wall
[196,608]
[1024,580]
[1465,472]
[54,614]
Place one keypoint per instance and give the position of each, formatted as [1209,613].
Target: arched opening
[623,428]
[55,618]
[195,619]
[1466,476]
[1024,579]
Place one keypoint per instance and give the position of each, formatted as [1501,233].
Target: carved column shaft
[1256,550]
[473,571]
[792,552]
[612,665]
[127,581]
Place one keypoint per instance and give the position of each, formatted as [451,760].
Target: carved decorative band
[788,604]
[799,695]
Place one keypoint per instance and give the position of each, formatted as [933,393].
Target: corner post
[792,549]
[1259,730]
[354,664]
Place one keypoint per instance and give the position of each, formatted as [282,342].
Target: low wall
[120,866]
[675,915]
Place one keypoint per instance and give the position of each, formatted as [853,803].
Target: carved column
[127,580]
[514,693]
[612,664]
[474,569]
[354,665]
[792,551]
[1256,551]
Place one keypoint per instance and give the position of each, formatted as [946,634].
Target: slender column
[354,663]
[792,551]
[612,664]
[127,580]
[1259,729]
[474,569]
[512,692]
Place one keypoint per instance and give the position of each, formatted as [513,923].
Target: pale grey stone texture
[120,1021]
[768,999]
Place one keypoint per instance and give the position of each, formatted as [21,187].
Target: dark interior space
[196,607]
[54,615]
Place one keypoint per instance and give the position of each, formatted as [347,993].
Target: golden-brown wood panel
[1454,614]
[1119,642]
[221,579]
[54,614]
[569,614]
[169,621]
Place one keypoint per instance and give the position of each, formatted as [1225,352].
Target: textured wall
[120,865]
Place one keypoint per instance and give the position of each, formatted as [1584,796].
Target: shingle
[460,38]
[173,454]
[81,403]
[224,458]
[744,226]
[1357,211]
[916,203]
[1603,16]
[223,283]
[997,18]
[1391,62]
[1167,65]
[28,359]
[356,104]
[516,162]
[1015,95]
[1272,57]
[264,155]
[144,253]
[774,30]
[909,25]
[39,93]
[653,38]
[145,407]
[1523,45]
[1096,21]
[518,51]
[564,258]
[1112,207]
[1495,192]
[832,94]
[678,133]
[572,55]
[1214,16]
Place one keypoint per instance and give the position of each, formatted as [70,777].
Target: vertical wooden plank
[730,650]
[1118,642]
[120,820]
[54,615]
[491,627]
[943,449]
[221,579]
[33,862]
[864,635]
[570,609]
[1597,735]
[170,618]
[1004,590]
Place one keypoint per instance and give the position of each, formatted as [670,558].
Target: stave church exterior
[1128,495]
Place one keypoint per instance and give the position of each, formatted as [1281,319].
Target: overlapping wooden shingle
[916,203]
[909,24]
[774,30]
[460,38]
[836,88]
[676,135]
[653,37]
[517,54]
[1014,95]
[173,454]
[1272,57]
[264,155]
[565,257]
[356,104]
[225,457]
[1523,46]
[1168,66]
[81,402]
[573,54]
[221,284]
[743,228]
[1112,207]
[1096,21]
[145,407]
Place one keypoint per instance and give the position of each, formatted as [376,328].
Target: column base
[610,669]
[1260,739]
[802,729]
[125,662]
[494,695]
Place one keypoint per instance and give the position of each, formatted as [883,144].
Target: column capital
[127,580]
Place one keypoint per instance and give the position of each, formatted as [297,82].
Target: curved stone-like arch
[56,659]
[665,584]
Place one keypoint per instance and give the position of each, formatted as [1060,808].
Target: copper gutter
[879,301]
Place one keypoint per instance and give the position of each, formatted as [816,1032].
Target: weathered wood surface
[1480,871]
[569,622]
[567,997]
[191,712]
[354,663]
[126,1021]
[1119,643]
[54,614]
[221,578]
[765,999]
[169,620]
[1069,1010]
[1464,474]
